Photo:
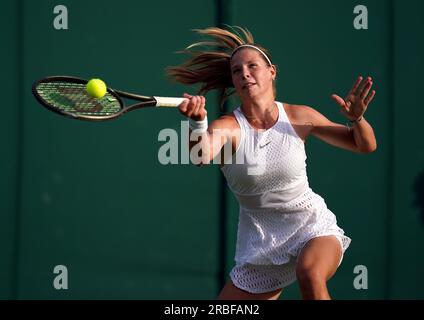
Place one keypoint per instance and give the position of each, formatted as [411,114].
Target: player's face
[251,74]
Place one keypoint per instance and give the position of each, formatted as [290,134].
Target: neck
[261,113]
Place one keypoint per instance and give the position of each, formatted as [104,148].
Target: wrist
[200,126]
[356,120]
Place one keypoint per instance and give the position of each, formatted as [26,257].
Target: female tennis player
[285,231]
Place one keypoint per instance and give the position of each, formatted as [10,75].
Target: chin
[251,95]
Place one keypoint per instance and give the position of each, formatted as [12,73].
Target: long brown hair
[211,67]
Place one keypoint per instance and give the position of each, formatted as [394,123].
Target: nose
[245,73]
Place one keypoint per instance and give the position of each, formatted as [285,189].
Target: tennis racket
[67,96]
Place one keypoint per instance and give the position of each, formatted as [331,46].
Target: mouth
[248,85]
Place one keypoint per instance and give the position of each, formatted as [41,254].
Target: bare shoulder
[227,121]
[302,118]
[298,113]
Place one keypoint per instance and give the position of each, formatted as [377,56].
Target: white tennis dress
[279,213]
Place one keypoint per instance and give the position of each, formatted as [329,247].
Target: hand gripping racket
[67,96]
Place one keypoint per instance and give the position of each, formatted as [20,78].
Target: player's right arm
[204,147]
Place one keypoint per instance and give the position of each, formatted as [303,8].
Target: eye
[236,70]
[253,65]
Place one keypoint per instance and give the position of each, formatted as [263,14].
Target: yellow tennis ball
[96,88]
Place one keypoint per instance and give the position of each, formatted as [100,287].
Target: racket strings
[73,98]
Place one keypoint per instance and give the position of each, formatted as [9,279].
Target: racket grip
[168,102]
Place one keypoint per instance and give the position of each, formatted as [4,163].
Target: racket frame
[146,101]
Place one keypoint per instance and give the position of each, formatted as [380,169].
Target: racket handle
[168,102]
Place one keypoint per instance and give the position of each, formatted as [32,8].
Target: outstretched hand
[356,102]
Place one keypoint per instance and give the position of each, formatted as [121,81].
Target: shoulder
[304,115]
[299,112]
[227,121]
[303,119]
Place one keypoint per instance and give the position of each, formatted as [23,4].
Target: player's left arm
[360,136]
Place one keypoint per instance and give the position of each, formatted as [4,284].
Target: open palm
[356,102]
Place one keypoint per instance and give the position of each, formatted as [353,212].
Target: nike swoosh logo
[264,145]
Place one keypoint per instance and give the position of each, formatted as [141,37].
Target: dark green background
[94,197]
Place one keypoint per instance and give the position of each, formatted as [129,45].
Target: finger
[355,85]
[202,102]
[183,107]
[363,85]
[202,110]
[185,104]
[368,99]
[343,107]
[339,100]
[192,106]
[366,89]
[197,107]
